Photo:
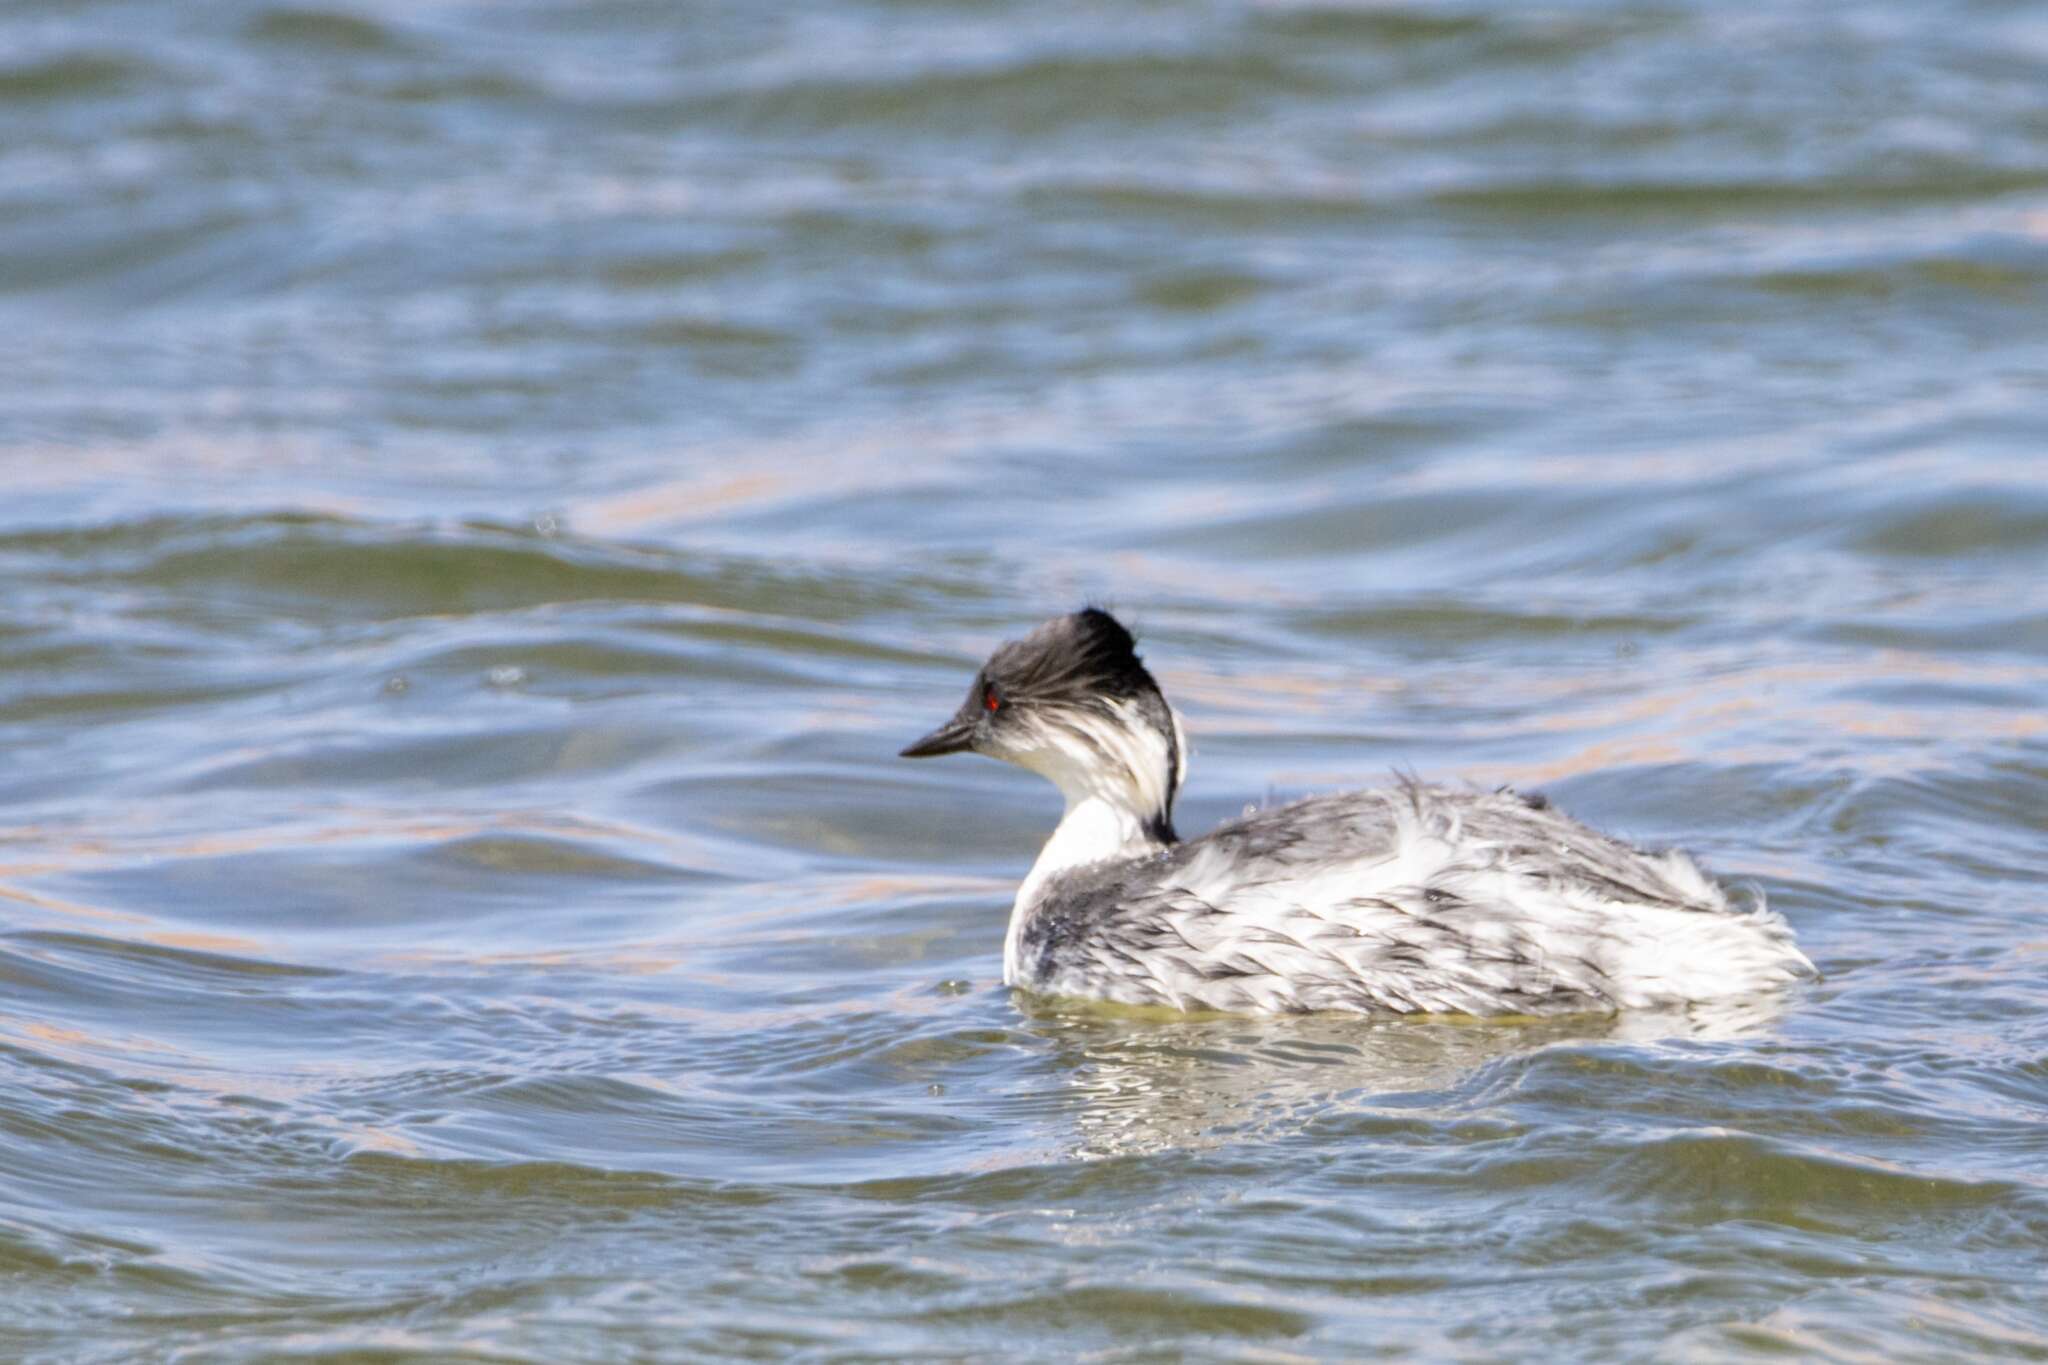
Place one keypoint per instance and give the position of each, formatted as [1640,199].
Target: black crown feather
[1080,657]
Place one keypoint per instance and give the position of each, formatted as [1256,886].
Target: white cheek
[1058,757]
[1116,758]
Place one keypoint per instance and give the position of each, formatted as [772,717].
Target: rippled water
[488,488]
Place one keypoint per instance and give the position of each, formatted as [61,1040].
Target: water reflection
[1143,1084]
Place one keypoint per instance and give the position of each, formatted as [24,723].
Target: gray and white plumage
[1408,900]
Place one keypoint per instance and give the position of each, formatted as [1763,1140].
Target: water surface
[488,489]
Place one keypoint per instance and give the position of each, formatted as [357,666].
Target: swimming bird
[1413,899]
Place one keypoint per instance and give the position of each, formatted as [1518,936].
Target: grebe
[1411,900]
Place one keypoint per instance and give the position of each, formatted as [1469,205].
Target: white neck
[1094,828]
[1118,777]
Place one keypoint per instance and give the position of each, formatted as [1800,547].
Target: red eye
[991,700]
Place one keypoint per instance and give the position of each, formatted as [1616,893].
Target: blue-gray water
[485,489]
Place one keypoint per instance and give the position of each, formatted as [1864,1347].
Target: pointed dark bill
[954,737]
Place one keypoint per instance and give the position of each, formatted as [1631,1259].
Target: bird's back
[1405,900]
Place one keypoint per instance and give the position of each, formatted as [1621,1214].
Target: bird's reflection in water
[1153,1081]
